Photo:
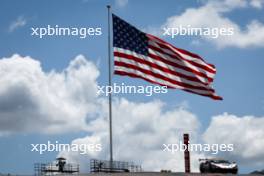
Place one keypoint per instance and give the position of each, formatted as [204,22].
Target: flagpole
[110,85]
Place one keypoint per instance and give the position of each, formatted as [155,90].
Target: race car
[217,166]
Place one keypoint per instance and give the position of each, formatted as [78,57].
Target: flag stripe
[176,55]
[169,61]
[131,72]
[125,72]
[159,64]
[130,59]
[184,53]
[155,57]
[145,68]
[167,79]
[178,59]
[158,69]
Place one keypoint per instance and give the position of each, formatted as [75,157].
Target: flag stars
[128,37]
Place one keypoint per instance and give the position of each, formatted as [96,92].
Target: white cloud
[257,3]
[19,22]
[212,15]
[140,129]
[246,133]
[121,3]
[32,100]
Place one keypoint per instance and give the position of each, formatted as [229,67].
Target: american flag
[141,55]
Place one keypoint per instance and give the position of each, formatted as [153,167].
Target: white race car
[217,166]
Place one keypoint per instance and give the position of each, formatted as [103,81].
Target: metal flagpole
[110,85]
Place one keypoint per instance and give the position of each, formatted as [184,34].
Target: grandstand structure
[113,167]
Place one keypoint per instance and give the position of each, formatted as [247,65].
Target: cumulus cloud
[19,22]
[33,100]
[140,130]
[212,15]
[246,133]
[48,102]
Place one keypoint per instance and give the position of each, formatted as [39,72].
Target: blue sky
[239,78]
